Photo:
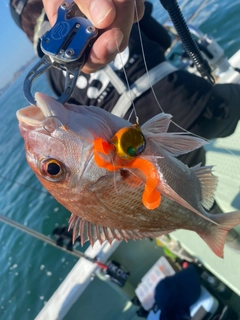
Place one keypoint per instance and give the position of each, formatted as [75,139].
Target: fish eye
[53,170]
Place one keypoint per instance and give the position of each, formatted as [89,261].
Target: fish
[73,152]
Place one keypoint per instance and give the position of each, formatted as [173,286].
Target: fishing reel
[112,269]
[116,272]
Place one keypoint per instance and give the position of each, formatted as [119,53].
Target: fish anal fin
[216,238]
[208,184]
[89,231]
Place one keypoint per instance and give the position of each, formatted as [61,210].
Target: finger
[110,14]
[114,37]
[51,8]
[104,50]
[100,13]
[139,10]
[113,17]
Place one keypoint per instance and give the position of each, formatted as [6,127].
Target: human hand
[113,18]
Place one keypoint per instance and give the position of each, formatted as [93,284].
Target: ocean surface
[31,270]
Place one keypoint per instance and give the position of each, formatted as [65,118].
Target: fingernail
[100,11]
[114,45]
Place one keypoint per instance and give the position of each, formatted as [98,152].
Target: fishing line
[204,3]
[114,175]
[211,142]
[184,4]
[91,143]
[147,71]
[152,89]
[23,185]
[144,57]
[63,127]
[128,85]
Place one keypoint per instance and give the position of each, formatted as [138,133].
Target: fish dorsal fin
[89,231]
[208,184]
[176,143]
[157,124]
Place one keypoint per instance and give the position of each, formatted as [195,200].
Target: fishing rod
[113,269]
[194,14]
[171,6]
[41,237]
[201,7]
[23,184]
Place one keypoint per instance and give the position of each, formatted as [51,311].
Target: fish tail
[216,238]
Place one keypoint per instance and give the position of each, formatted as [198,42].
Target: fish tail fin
[216,239]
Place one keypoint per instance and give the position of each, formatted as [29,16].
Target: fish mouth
[34,115]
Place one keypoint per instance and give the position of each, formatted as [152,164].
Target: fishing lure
[127,144]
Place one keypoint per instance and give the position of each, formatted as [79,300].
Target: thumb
[51,8]
[100,13]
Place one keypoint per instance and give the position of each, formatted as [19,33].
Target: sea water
[30,270]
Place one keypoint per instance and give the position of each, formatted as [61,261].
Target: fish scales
[178,177]
[126,198]
[116,198]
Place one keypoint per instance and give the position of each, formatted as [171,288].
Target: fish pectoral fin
[216,238]
[89,231]
[176,143]
[169,193]
[208,184]
[159,123]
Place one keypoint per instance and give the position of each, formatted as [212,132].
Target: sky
[15,48]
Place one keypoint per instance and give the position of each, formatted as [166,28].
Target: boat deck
[105,300]
[140,256]
[109,301]
[224,154]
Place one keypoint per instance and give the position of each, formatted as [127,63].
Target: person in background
[113,17]
[195,105]
[175,294]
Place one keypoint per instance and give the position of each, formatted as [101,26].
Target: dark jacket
[187,97]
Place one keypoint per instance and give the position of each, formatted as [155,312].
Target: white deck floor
[225,155]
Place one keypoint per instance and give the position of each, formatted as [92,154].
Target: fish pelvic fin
[208,184]
[89,231]
[216,239]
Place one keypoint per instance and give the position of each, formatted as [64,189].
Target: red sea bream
[115,198]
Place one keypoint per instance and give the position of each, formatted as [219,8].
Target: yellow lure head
[129,142]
